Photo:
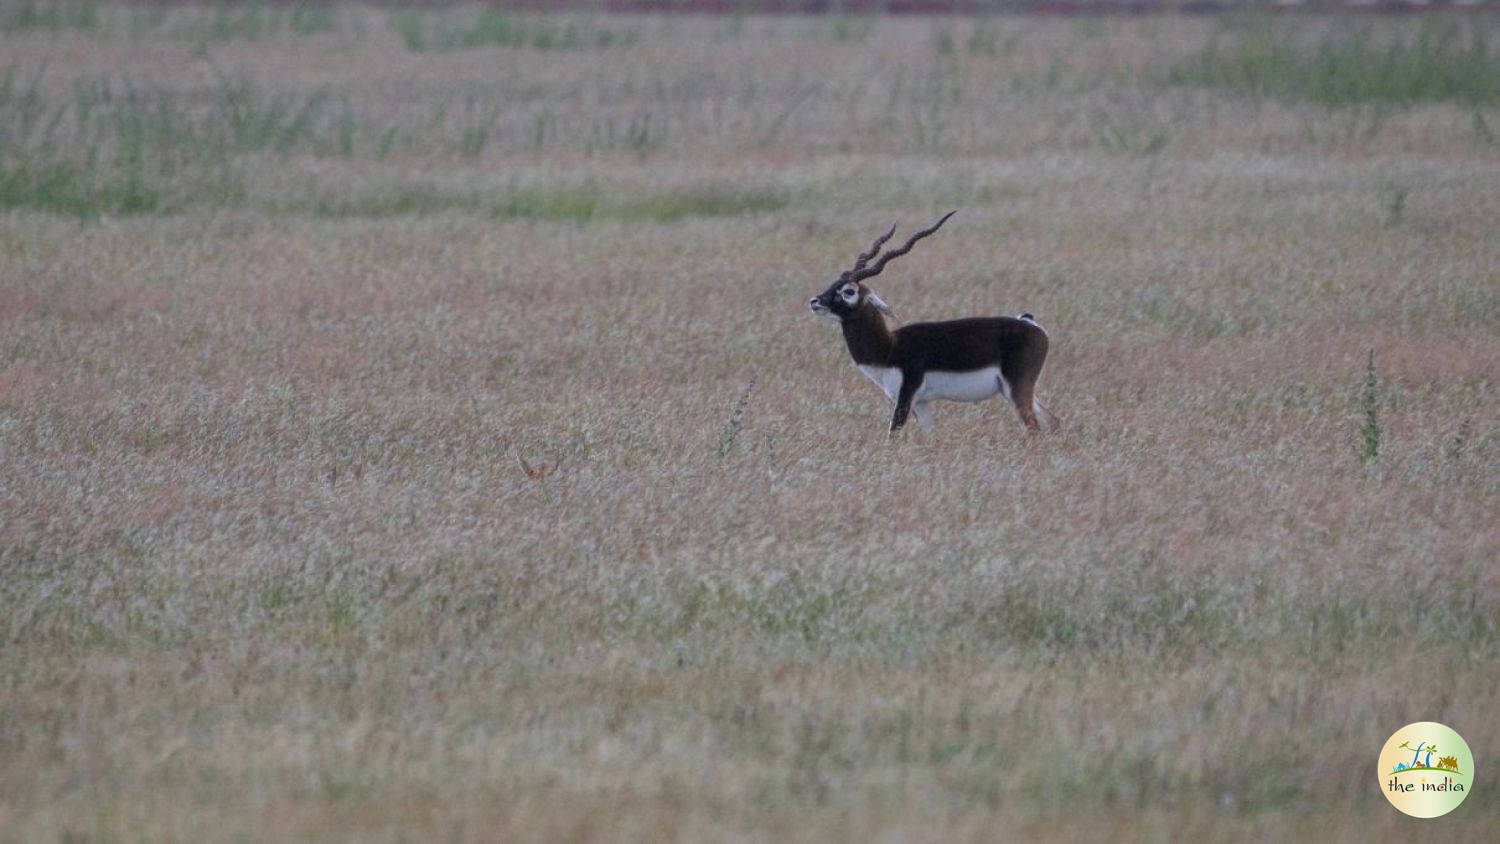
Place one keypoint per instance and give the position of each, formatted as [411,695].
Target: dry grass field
[379,455]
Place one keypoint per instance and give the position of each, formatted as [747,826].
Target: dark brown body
[1018,347]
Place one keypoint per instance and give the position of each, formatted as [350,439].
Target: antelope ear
[881,306]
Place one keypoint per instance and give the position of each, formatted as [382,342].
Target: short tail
[1045,416]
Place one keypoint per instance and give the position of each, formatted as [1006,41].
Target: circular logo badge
[1426,769]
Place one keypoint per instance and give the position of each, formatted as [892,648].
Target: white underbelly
[976,385]
[962,386]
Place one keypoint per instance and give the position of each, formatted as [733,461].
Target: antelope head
[848,296]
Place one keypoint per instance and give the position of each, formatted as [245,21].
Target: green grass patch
[1442,60]
[582,204]
[841,27]
[424,32]
[84,189]
[704,202]
[50,17]
[254,21]
[226,22]
[411,200]
[115,148]
[591,202]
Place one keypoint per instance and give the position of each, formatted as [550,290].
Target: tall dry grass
[395,473]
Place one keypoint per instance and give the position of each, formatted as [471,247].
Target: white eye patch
[849,293]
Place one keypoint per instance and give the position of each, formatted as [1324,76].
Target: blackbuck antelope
[959,360]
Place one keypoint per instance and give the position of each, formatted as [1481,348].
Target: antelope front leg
[910,381]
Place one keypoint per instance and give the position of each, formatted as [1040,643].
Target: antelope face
[839,301]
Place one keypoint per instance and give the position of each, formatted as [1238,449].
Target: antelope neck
[870,341]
